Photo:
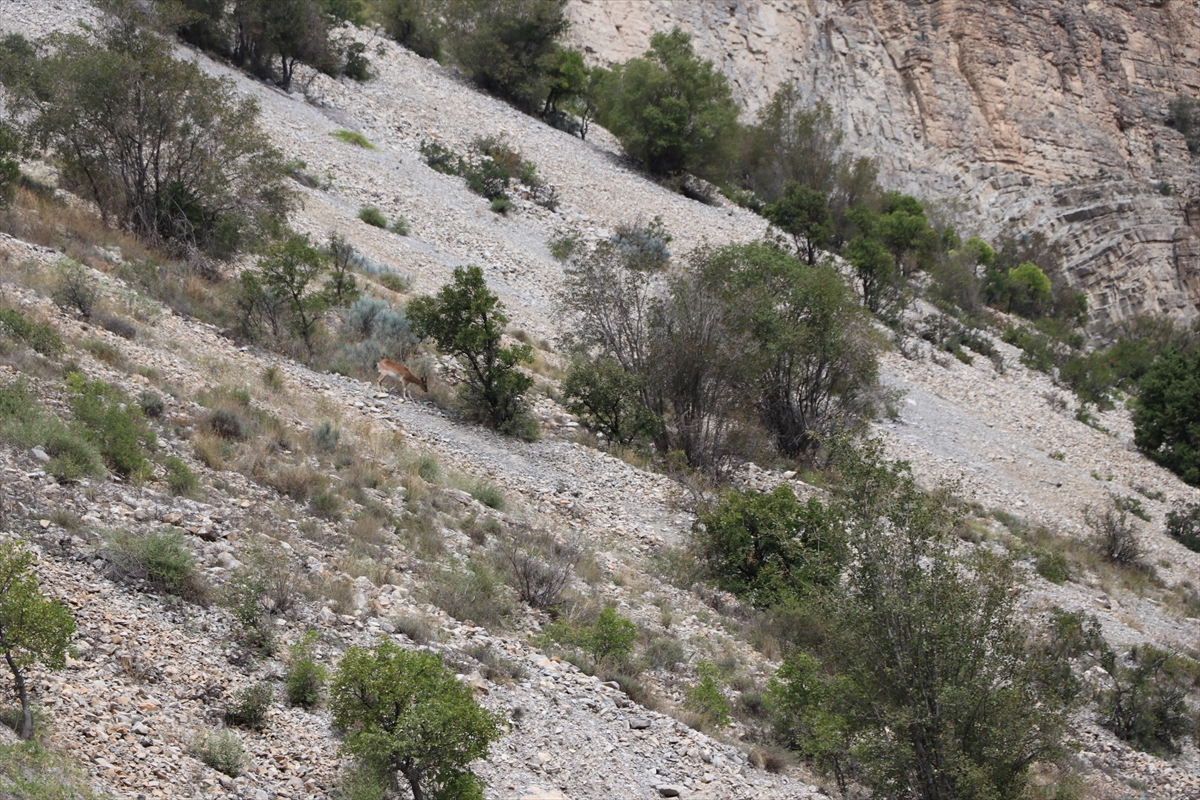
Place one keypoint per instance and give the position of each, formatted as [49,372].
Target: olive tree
[406,715]
[173,155]
[33,629]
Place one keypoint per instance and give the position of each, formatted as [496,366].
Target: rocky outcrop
[1042,114]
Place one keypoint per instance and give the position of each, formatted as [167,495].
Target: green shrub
[373,217]
[607,641]
[326,505]
[663,652]
[221,750]
[151,404]
[305,679]
[250,705]
[607,399]
[25,423]
[1166,419]
[325,437]
[1183,114]
[114,423]
[1053,565]
[414,24]
[706,698]
[226,423]
[1183,525]
[769,548]
[501,205]
[467,321]
[400,227]
[180,478]
[472,592]
[564,246]
[41,337]
[354,138]
[1146,705]
[403,712]
[487,493]
[160,557]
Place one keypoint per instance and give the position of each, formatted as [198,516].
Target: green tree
[607,399]
[33,629]
[507,46]
[904,230]
[768,548]
[802,214]
[414,24]
[609,640]
[467,321]
[790,143]
[405,714]
[566,79]
[162,149]
[927,679]
[1166,419]
[672,111]
[10,171]
[875,269]
[290,269]
[1029,290]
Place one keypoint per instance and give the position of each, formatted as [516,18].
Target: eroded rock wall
[1041,114]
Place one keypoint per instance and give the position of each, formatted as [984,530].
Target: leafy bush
[33,628]
[769,548]
[180,477]
[411,23]
[221,750]
[42,337]
[1166,417]
[671,111]
[325,437]
[1183,525]
[537,565]
[1183,114]
[663,652]
[305,679]
[607,399]
[373,217]
[400,226]
[288,270]
[1146,705]
[160,557]
[250,705]
[114,423]
[116,325]
[151,404]
[404,712]
[189,169]
[607,641]
[706,697]
[25,423]
[467,321]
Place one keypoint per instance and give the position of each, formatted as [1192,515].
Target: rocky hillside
[151,673]
[1043,116]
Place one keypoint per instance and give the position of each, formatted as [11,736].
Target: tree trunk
[414,782]
[26,731]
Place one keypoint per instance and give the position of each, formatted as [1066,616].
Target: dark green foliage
[40,336]
[769,548]
[507,46]
[706,698]
[875,270]
[33,628]
[607,399]
[1166,419]
[1183,114]
[671,111]
[802,214]
[1146,705]
[180,477]
[10,171]
[342,289]
[908,623]
[373,217]
[489,171]
[151,404]
[467,321]
[405,715]
[1183,525]
[166,151]
[250,705]
[413,24]
[305,679]
[289,271]
[25,423]
[114,423]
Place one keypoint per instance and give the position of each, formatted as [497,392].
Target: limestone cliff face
[1041,114]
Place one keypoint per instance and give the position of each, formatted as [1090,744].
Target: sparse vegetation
[160,557]
[354,138]
[250,705]
[305,678]
[221,750]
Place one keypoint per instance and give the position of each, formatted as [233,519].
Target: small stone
[639,723]
[40,454]
[667,790]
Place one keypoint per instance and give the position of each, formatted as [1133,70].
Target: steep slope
[994,433]
[1044,115]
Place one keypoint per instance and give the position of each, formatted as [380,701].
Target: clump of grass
[161,558]
[373,217]
[114,423]
[180,478]
[400,227]
[305,679]
[102,351]
[25,423]
[41,337]
[501,205]
[33,771]
[472,593]
[354,138]
[151,404]
[221,750]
